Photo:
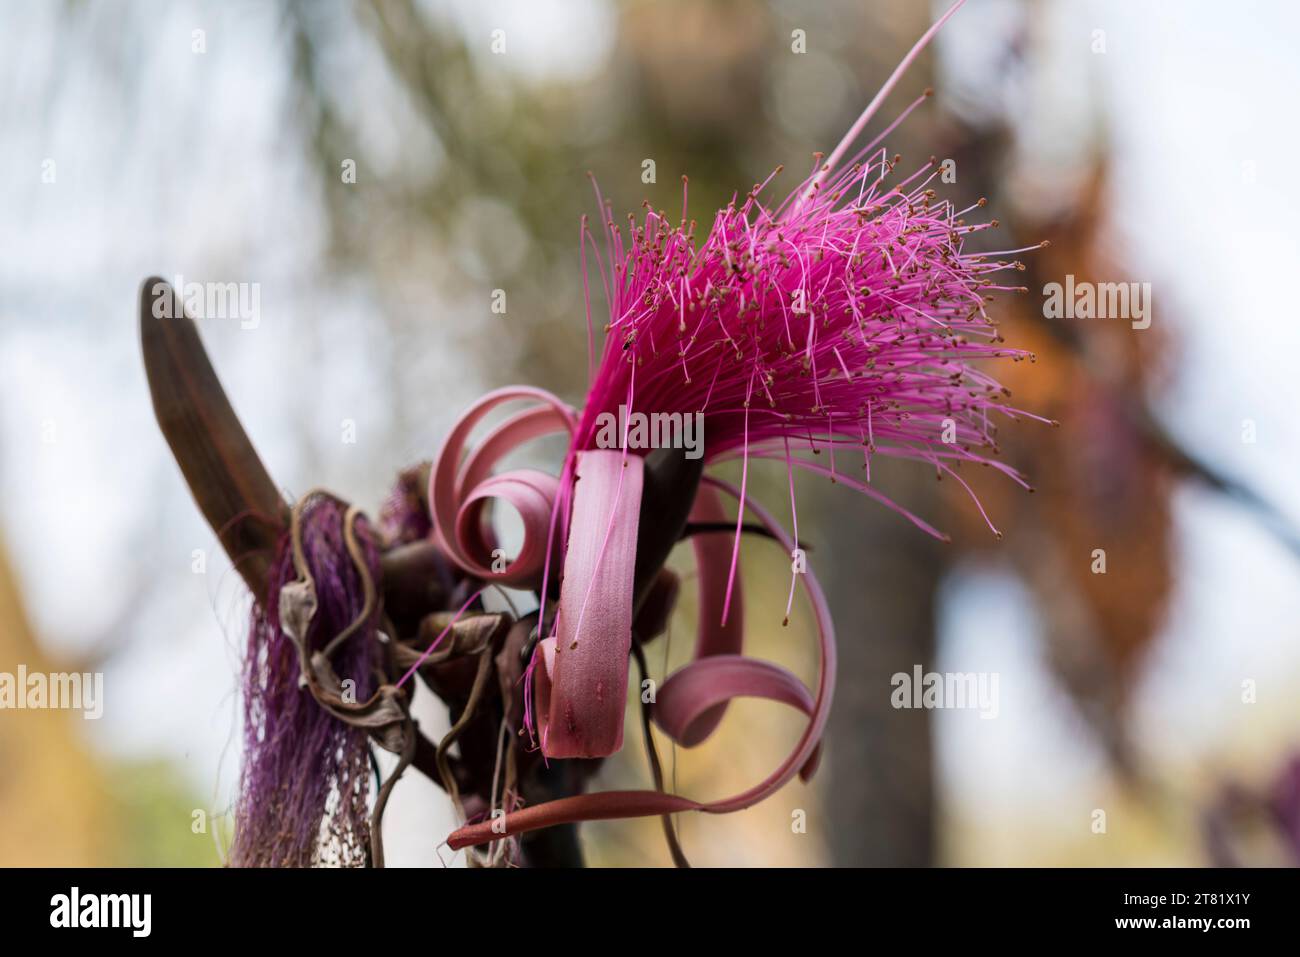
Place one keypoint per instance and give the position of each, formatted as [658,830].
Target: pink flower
[838,323]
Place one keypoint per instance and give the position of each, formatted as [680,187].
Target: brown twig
[466,716]
[381,800]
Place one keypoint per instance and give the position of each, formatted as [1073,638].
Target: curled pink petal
[626,804]
[809,744]
[695,690]
[458,490]
[715,637]
[531,423]
[583,716]
[532,494]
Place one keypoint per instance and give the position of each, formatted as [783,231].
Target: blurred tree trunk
[880,791]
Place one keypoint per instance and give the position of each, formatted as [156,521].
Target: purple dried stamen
[305,781]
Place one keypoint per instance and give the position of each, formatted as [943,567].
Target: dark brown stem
[671,481]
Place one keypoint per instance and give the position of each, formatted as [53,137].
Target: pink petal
[694,690]
[545,654]
[587,688]
[713,557]
[803,758]
[532,494]
[458,491]
[625,804]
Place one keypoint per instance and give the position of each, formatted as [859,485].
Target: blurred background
[213,140]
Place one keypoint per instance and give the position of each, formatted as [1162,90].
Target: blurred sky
[172,162]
